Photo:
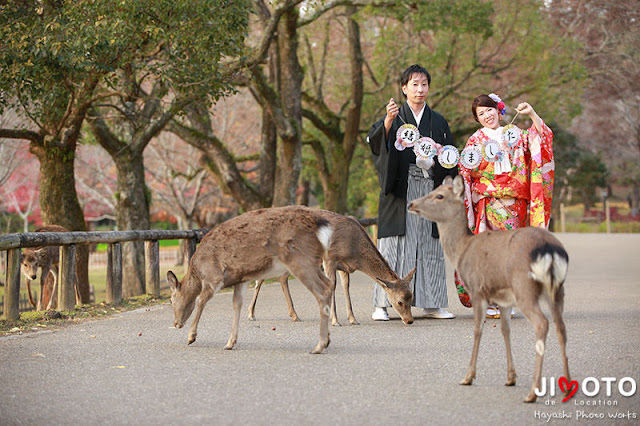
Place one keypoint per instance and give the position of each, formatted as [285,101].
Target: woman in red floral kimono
[508,174]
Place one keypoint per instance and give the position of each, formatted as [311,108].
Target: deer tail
[549,265]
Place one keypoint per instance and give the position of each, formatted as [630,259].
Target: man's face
[416,89]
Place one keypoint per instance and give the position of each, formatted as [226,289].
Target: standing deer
[48,260]
[350,250]
[503,267]
[256,245]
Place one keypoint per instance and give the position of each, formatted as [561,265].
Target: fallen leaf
[37,355]
[119,366]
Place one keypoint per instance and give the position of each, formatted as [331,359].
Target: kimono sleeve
[542,169]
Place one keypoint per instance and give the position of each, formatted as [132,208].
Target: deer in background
[507,268]
[350,250]
[256,245]
[47,259]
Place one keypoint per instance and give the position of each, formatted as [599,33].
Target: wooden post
[67,278]
[607,215]
[114,273]
[12,286]
[152,262]
[562,218]
[191,249]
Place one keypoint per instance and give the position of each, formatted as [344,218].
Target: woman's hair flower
[502,108]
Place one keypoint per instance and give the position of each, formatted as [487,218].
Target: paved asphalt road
[104,372]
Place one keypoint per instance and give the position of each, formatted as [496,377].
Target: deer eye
[400,304]
[439,196]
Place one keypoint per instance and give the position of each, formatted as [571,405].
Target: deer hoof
[252,318]
[466,382]
[510,383]
[531,397]
[191,339]
[354,322]
[295,318]
[336,324]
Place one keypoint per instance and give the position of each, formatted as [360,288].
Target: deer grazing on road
[350,250]
[507,268]
[262,244]
[48,260]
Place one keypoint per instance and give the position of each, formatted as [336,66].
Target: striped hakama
[417,248]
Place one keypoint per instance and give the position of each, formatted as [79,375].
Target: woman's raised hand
[524,108]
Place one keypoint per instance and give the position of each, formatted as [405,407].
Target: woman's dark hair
[482,100]
[413,69]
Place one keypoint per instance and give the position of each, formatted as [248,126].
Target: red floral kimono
[511,193]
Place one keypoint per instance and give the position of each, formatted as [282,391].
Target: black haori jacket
[393,166]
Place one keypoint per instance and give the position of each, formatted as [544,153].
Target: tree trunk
[132,212]
[59,201]
[290,148]
[635,200]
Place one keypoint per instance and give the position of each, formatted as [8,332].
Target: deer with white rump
[507,268]
[260,244]
[350,250]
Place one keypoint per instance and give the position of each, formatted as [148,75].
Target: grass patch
[51,320]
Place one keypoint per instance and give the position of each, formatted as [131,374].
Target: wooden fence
[13,243]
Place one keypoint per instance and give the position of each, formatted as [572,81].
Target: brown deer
[48,260]
[350,250]
[256,245]
[507,268]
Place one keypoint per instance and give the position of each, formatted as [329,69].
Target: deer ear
[384,284]
[409,276]
[458,187]
[173,281]
[447,180]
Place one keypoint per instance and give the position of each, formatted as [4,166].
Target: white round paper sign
[449,156]
[425,147]
[408,134]
[471,157]
[511,134]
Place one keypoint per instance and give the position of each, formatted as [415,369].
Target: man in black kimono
[407,241]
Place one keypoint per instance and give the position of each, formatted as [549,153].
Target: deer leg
[345,279]
[31,300]
[312,277]
[54,290]
[556,311]
[284,284]
[541,325]
[505,327]
[40,302]
[330,273]
[238,296]
[252,305]
[478,317]
[205,295]
[78,298]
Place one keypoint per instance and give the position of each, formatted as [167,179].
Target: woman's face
[488,117]
[416,89]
